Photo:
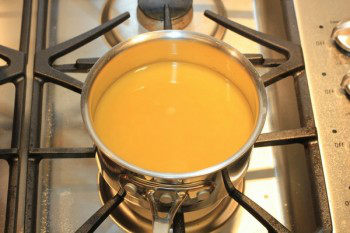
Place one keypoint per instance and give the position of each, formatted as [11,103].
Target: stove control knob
[341,35]
[345,83]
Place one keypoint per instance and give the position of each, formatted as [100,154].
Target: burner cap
[139,22]
[154,24]
[155,8]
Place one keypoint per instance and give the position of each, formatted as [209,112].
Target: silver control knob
[341,35]
[345,83]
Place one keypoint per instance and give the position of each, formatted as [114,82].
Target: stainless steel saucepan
[166,192]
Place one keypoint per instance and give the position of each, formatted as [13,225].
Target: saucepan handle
[163,224]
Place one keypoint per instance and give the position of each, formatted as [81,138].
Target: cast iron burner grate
[45,71]
[15,72]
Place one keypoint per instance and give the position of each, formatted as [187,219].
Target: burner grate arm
[286,137]
[291,51]
[269,222]
[44,59]
[95,220]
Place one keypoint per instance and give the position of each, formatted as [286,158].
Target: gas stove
[298,177]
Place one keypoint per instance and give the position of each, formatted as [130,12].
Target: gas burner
[153,24]
[151,13]
[189,16]
[128,215]
[155,8]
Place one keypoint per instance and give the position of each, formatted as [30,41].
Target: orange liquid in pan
[173,117]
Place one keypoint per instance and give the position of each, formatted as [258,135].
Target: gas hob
[47,168]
